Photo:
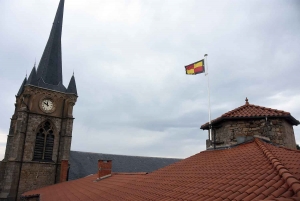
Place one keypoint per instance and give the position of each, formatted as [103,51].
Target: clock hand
[46,103]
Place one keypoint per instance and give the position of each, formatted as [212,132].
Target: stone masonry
[18,172]
[279,131]
[248,121]
[40,132]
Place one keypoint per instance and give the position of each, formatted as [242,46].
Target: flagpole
[209,115]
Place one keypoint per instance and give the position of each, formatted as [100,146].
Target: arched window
[44,142]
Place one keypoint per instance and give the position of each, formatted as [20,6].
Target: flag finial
[247,103]
[206,55]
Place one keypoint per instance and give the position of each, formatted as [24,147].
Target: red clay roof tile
[253,111]
[279,192]
[250,197]
[288,194]
[260,197]
[269,191]
[241,196]
[251,171]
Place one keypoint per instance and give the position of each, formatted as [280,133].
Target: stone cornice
[33,90]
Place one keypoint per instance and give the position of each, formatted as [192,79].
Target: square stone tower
[39,139]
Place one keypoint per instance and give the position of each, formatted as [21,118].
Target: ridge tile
[245,172]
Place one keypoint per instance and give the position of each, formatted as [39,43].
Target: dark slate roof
[72,86]
[22,86]
[49,72]
[32,79]
[86,163]
[50,67]
[60,87]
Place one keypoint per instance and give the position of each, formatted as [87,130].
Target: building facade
[39,139]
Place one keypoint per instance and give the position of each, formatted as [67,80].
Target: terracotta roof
[251,171]
[253,111]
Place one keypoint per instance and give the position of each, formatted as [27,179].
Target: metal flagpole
[209,116]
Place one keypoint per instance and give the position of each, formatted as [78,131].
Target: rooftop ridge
[129,173]
[248,111]
[252,105]
[126,155]
[290,179]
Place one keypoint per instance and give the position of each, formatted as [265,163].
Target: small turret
[32,79]
[22,87]
[72,86]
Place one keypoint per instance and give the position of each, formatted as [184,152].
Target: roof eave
[72,94]
[289,118]
[30,196]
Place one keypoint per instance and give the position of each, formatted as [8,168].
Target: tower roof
[49,72]
[249,111]
[50,66]
[32,79]
[72,86]
[22,86]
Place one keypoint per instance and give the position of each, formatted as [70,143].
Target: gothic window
[44,142]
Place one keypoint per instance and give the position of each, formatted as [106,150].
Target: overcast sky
[129,58]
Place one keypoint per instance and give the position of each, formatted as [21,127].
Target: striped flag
[195,68]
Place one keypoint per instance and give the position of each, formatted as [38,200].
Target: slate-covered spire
[22,87]
[72,86]
[32,79]
[50,66]
[48,75]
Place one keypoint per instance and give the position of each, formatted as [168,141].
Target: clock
[47,105]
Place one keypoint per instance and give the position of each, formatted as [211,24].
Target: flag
[195,68]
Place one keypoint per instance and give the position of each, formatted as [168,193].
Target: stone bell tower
[39,139]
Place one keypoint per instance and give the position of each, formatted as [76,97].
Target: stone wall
[278,130]
[2,171]
[33,123]
[289,141]
[36,175]
[13,155]
[19,173]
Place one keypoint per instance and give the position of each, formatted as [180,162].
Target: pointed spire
[22,87]
[32,79]
[72,86]
[50,66]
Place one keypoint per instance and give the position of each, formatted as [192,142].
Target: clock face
[47,105]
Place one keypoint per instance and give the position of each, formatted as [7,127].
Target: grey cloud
[129,59]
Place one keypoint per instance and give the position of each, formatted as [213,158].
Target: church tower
[39,139]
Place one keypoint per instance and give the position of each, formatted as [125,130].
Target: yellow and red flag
[195,68]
